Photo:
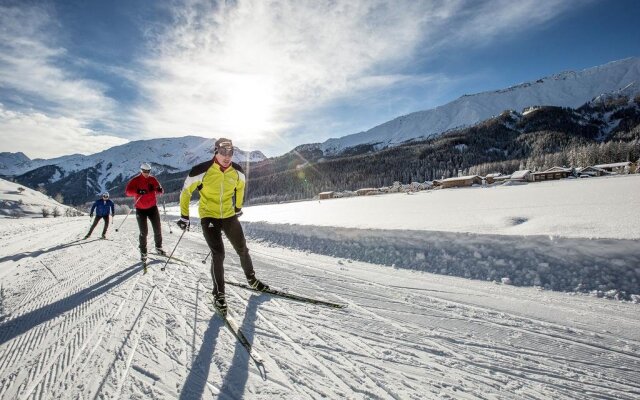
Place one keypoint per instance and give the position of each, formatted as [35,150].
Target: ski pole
[205,259]
[172,251]
[164,208]
[125,218]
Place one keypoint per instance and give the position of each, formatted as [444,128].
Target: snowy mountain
[79,177]
[80,320]
[172,154]
[567,89]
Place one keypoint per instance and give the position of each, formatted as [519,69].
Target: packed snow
[79,319]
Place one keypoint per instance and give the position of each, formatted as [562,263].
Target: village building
[366,191]
[496,177]
[591,171]
[521,176]
[551,174]
[626,167]
[460,181]
[326,195]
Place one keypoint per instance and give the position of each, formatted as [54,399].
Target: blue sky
[82,76]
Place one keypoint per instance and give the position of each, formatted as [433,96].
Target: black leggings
[154,216]
[212,229]
[95,223]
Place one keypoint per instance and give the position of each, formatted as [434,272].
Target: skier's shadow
[32,319]
[36,253]
[238,374]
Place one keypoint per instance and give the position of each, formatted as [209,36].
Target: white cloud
[247,69]
[33,70]
[41,136]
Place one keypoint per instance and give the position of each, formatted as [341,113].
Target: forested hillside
[603,131]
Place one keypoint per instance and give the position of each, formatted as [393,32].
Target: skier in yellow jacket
[221,185]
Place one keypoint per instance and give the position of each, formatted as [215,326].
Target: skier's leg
[106,225]
[213,236]
[233,232]
[93,225]
[141,217]
[154,217]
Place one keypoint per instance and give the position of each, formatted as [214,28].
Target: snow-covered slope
[79,319]
[171,154]
[19,201]
[567,89]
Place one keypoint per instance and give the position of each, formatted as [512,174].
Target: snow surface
[78,319]
[27,203]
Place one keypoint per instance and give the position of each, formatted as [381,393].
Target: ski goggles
[225,151]
[145,171]
[105,196]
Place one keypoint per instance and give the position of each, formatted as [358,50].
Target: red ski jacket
[150,185]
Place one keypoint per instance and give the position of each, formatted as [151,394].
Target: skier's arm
[113,210]
[131,189]
[190,184]
[93,207]
[240,190]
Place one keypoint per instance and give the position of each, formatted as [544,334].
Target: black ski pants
[153,215]
[95,223]
[212,229]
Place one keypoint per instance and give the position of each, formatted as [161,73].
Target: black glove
[90,215]
[238,211]
[183,223]
[142,191]
[160,189]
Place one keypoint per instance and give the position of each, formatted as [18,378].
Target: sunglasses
[145,171]
[105,197]
[226,151]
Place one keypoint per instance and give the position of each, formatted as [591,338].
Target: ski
[235,330]
[289,296]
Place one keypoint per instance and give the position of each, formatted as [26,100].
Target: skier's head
[105,195]
[145,168]
[223,147]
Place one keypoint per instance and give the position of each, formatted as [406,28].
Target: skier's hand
[159,189]
[90,215]
[183,223]
[238,212]
[142,191]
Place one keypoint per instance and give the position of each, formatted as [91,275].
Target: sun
[249,106]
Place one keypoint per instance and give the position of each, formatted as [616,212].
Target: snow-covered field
[80,320]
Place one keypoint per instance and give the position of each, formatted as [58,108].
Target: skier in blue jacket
[102,208]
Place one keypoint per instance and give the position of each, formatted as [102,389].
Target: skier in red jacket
[144,188]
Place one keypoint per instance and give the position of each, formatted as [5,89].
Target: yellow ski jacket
[220,192]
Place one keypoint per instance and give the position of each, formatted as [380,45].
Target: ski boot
[256,284]
[220,303]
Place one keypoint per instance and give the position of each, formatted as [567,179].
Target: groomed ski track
[80,320]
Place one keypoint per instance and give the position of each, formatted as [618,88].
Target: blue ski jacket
[102,208]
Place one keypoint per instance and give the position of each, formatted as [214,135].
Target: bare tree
[45,212]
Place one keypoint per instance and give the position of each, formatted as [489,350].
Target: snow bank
[608,267]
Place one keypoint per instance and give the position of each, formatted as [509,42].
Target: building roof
[520,174]
[460,178]
[614,165]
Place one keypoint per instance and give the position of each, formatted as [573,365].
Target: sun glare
[249,106]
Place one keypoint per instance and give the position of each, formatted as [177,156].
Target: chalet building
[551,174]
[521,176]
[326,195]
[460,181]
[626,167]
[366,191]
[591,171]
[496,177]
